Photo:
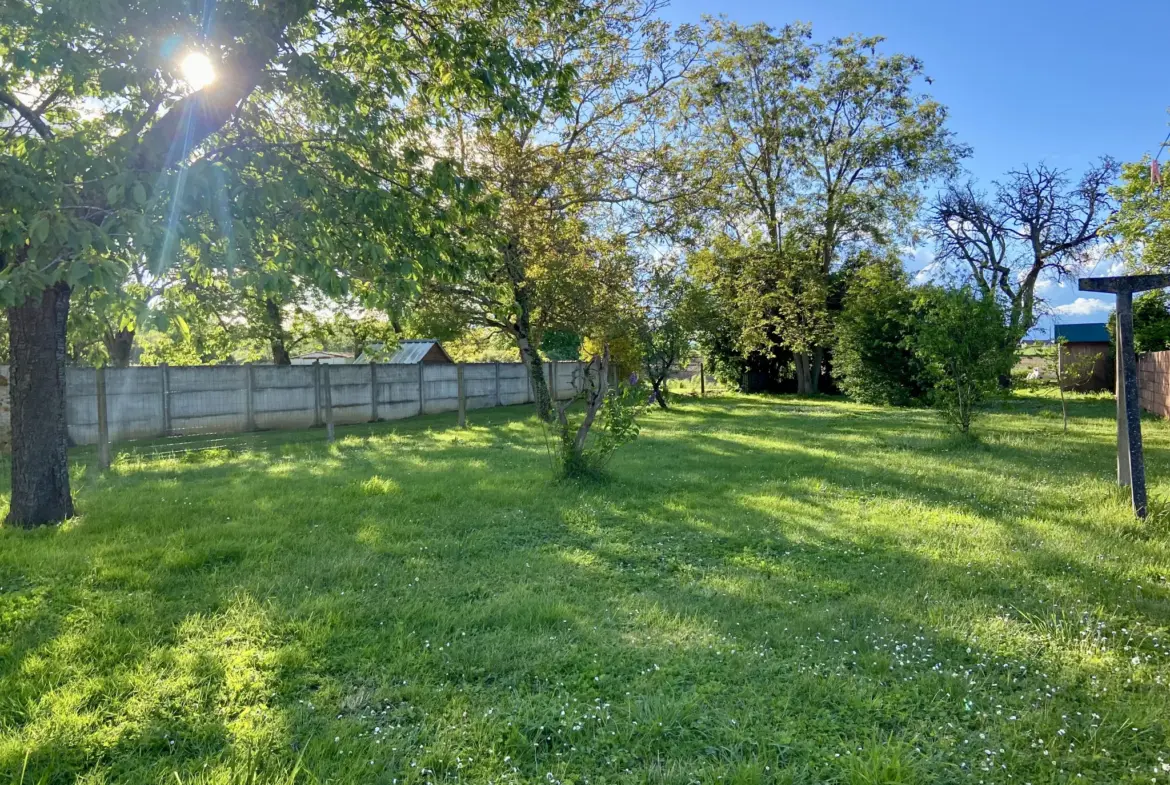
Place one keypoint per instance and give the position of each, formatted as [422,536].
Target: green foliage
[561,345]
[1141,225]
[1151,322]
[873,357]
[616,424]
[966,347]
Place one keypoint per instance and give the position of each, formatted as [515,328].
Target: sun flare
[197,70]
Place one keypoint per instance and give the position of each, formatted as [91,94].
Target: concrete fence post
[327,389]
[103,424]
[249,393]
[373,392]
[422,393]
[317,393]
[462,396]
[499,401]
[164,372]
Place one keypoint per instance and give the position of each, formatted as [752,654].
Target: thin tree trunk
[119,346]
[659,388]
[40,439]
[276,340]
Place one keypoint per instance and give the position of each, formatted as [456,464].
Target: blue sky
[1062,82]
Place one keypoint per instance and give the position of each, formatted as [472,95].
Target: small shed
[325,358]
[1090,339]
[420,350]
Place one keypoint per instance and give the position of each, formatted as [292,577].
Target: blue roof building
[1089,332]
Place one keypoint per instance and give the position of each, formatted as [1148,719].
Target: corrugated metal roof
[412,351]
[1091,332]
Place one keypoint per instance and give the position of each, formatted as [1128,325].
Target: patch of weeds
[379,486]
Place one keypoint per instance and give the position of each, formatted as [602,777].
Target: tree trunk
[40,439]
[119,346]
[659,388]
[540,394]
[275,320]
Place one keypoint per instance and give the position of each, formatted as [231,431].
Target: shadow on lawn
[263,608]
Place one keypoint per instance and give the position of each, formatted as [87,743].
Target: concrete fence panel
[283,396]
[208,399]
[514,387]
[397,391]
[441,388]
[479,385]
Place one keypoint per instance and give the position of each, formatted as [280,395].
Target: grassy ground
[766,591]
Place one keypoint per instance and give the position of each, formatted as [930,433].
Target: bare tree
[1037,223]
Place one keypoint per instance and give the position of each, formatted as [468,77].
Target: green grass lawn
[767,590]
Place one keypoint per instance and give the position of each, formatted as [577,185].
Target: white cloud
[1083,306]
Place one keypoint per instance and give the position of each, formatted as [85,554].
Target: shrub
[581,450]
[873,360]
[965,347]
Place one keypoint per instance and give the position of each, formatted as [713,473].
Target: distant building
[325,358]
[409,352]
[1089,339]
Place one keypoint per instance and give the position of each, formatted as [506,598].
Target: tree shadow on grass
[713,580]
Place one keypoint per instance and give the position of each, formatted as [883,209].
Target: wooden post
[702,381]
[498,401]
[422,394]
[1123,478]
[373,392]
[327,389]
[1133,410]
[165,387]
[1130,459]
[102,422]
[249,391]
[462,396]
[552,380]
[317,393]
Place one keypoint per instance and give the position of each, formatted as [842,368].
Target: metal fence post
[165,387]
[462,396]
[498,400]
[702,381]
[102,421]
[249,391]
[422,395]
[317,392]
[373,392]
[328,390]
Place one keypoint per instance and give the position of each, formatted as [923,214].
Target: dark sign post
[1131,467]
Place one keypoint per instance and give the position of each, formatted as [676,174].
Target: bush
[965,347]
[583,446]
[873,358]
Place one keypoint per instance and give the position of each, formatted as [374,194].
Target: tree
[1037,223]
[576,180]
[107,152]
[825,149]
[667,329]
[1140,228]
[873,357]
[965,345]
[1069,370]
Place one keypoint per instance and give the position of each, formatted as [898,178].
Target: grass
[764,591]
